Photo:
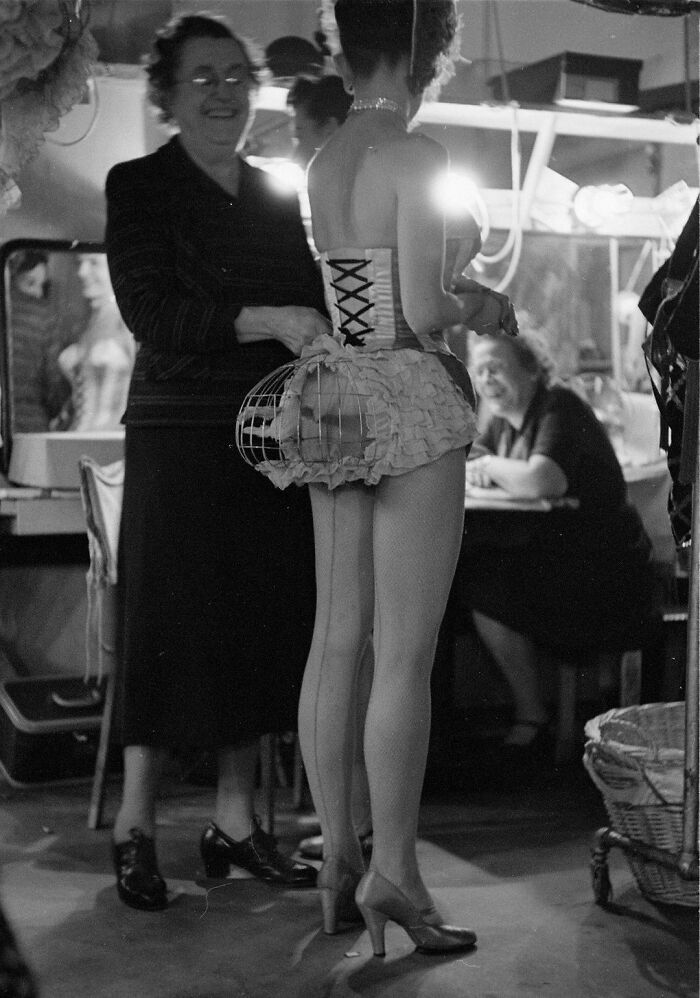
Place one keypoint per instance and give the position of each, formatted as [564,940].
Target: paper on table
[495,498]
[21,492]
[494,494]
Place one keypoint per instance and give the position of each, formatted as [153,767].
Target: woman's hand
[487,312]
[477,472]
[537,477]
[293,325]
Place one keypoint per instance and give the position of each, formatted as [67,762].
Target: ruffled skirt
[340,414]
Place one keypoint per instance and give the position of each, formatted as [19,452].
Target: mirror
[67,353]
[580,293]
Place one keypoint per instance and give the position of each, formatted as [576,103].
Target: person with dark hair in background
[213,275]
[320,106]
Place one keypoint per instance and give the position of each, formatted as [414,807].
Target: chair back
[101,490]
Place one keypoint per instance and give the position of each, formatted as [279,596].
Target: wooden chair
[101,489]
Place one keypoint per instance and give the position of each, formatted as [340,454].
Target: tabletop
[496,499]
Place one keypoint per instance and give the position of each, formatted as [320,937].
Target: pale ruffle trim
[42,75]
[413,413]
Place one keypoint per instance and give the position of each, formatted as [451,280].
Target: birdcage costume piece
[371,400]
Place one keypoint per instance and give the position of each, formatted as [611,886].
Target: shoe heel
[375,922]
[329,907]
[215,869]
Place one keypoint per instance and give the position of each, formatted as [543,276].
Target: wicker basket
[636,756]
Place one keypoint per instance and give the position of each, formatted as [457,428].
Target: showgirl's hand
[477,472]
[487,312]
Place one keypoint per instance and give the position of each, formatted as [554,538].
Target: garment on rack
[670,302]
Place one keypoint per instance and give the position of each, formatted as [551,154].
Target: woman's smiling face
[504,384]
[210,101]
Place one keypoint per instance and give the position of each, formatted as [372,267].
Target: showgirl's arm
[428,307]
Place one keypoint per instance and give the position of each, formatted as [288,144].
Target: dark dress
[571,580]
[215,565]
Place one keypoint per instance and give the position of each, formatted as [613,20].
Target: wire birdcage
[309,412]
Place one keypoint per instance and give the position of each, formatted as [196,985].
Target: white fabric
[101,490]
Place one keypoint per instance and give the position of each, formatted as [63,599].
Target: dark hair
[162,65]
[26,260]
[291,55]
[322,98]
[529,351]
[374,30]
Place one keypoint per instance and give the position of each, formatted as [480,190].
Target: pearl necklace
[378,104]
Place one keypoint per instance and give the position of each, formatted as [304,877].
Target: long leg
[235,791]
[328,704]
[361,811]
[418,526]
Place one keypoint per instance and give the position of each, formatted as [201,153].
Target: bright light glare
[596,105]
[285,176]
[458,195]
[595,205]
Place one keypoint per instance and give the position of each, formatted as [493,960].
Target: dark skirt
[569,582]
[217,592]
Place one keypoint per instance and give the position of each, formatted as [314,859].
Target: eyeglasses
[209,82]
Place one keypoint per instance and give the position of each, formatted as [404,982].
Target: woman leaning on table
[213,275]
[580,582]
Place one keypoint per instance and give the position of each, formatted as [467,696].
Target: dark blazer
[185,257]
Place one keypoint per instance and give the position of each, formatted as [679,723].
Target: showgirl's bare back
[370,186]
[352,182]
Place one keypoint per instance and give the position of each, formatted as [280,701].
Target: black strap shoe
[257,854]
[139,883]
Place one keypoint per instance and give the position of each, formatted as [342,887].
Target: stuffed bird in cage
[372,399]
[319,412]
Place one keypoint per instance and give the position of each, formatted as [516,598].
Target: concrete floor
[509,861]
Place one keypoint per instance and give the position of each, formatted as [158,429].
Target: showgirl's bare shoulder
[415,154]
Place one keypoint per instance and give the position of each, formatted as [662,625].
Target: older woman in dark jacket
[213,275]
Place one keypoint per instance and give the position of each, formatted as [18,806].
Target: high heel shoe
[337,883]
[380,901]
[139,883]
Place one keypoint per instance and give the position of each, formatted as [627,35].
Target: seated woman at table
[573,581]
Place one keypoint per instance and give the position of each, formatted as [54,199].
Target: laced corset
[363,296]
